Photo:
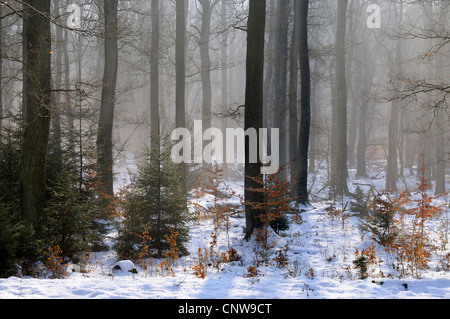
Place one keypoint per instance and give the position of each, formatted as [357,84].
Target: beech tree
[339,167]
[106,121]
[37,116]
[254,106]
[305,101]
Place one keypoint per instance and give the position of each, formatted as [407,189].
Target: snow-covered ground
[319,250]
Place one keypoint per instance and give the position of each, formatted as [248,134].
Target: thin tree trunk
[180,61]
[440,122]
[305,96]
[154,77]
[1,69]
[293,101]
[224,75]
[280,81]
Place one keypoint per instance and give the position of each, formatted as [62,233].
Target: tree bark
[180,69]
[154,77]
[106,121]
[341,173]
[293,101]
[37,117]
[280,79]
[392,157]
[305,97]
[1,69]
[254,105]
[440,122]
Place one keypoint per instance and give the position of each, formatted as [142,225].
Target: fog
[397,62]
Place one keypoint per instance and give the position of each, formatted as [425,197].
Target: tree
[293,99]
[440,122]
[280,77]
[153,206]
[254,105]
[106,121]
[154,75]
[1,69]
[37,118]
[305,95]
[180,69]
[392,157]
[340,172]
[205,60]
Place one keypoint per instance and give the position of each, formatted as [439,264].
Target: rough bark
[37,116]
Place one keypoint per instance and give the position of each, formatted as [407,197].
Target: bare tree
[37,117]
[254,106]
[305,94]
[106,121]
[340,172]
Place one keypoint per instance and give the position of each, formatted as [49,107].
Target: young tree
[254,105]
[37,118]
[106,121]
[153,206]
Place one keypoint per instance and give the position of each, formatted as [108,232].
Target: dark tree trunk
[1,70]
[293,102]
[254,105]
[37,117]
[305,98]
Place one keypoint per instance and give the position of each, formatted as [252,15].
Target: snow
[319,250]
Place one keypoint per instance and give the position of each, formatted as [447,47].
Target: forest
[261,139]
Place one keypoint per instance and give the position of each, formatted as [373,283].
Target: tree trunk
[205,69]
[37,117]
[224,75]
[180,66]
[341,173]
[369,65]
[254,105]
[56,96]
[1,69]
[305,97]
[293,101]
[392,157]
[106,121]
[154,77]
[280,79]
[440,122]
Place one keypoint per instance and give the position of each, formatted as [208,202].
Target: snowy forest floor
[319,251]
